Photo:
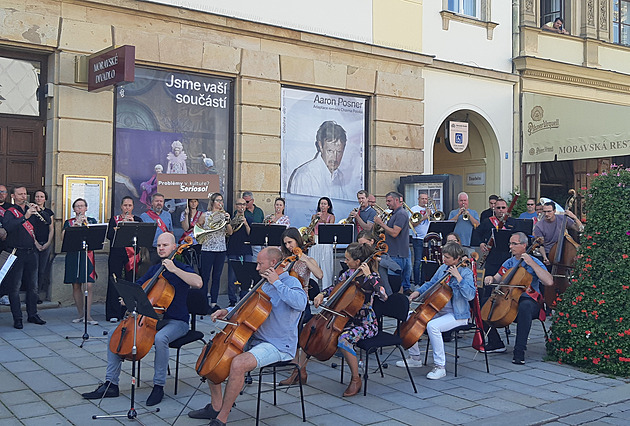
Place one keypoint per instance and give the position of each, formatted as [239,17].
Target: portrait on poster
[323,150]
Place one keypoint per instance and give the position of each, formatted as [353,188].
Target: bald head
[166,244]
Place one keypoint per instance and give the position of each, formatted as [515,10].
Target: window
[465,7]
[550,10]
[19,86]
[621,22]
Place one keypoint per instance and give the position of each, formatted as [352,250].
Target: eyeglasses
[515,244]
[501,208]
[531,204]
[248,201]
[547,211]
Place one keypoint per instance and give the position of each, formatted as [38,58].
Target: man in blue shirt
[275,340]
[530,302]
[464,227]
[531,211]
[161,217]
[173,325]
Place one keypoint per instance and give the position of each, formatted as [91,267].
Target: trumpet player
[278,217]
[18,222]
[120,261]
[75,263]
[238,250]
[466,219]
[417,237]
[214,247]
[364,216]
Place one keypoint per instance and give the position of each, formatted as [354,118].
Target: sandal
[77,320]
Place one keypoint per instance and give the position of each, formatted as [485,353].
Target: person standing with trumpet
[216,223]
[364,216]
[466,219]
[238,250]
[421,226]
[75,261]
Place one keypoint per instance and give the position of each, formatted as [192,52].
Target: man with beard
[162,217]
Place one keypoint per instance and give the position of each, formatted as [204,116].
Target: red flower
[624,256]
[622,359]
[596,360]
[618,351]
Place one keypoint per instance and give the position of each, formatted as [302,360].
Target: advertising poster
[323,152]
[172,123]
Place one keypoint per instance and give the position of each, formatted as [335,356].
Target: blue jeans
[418,248]
[212,261]
[405,274]
[168,330]
[244,287]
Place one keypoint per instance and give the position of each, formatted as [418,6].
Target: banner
[556,128]
[176,124]
[323,151]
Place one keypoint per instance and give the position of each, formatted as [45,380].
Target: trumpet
[436,215]
[414,219]
[350,219]
[307,231]
[36,213]
[237,222]
[269,219]
[81,220]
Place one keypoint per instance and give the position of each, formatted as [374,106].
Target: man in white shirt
[417,237]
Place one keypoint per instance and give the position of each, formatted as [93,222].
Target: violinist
[364,324]
[455,313]
[495,256]
[549,228]
[530,302]
[275,340]
[172,326]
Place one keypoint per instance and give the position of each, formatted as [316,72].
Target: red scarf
[26,224]
[130,262]
[160,223]
[191,226]
[90,253]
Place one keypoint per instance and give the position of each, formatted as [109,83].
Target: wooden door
[22,152]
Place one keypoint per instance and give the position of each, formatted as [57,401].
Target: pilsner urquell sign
[110,67]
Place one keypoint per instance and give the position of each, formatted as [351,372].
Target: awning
[569,129]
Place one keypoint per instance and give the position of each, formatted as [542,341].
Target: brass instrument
[414,219]
[432,247]
[81,220]
[307,231]
[214,221]
[237,222]
[384,214]
[269,219]
[350,219]
[36,213]
[436,215]
[466,215]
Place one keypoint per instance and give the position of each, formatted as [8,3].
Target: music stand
[334,233]
[442,227]
[137,302]
[263,234]
[134,234]
[525,226]
[6,262]
[429,268]
[83,239]
[245,272]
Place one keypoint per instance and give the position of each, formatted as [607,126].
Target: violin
[432,301]
[247,316]
[563,255]
[160,293]
[501,308]
[320,335]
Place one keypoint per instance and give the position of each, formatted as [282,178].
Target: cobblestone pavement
[42,375]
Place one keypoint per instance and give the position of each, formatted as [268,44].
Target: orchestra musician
[499,220]
[364,216]
[275,340]
[254,214]
[75,263]
[466,219]
[159,216]
[120,261]
[18,221]
[417,237]
[397,237]
[454,314]
[489,212]
[172,326]
[549,228]
[4,206]
[388,270]
[44,233]
[304,267]
[529,303]
[323,253]
[189,218]
[237,249]
[278,217]
[364,324]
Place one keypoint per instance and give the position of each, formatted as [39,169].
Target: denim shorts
[266,353]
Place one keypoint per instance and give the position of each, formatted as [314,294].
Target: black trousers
[115,265]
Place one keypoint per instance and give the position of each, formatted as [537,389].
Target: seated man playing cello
[275,340]
[529,303]
[455,313]
[173,325]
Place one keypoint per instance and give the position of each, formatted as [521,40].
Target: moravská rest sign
[111,66]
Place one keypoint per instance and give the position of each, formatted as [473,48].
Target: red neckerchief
[26,224]
[191,226]
[496,222]
[160,223]
[129,250]
[90,253]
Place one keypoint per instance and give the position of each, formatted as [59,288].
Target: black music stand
[334,233]
[442,227]
[502,239]
[263,234]
[429,268]
[84,239]
[137,302]
[134,234]
[525,226]
[246,273]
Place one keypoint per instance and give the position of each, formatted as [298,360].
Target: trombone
[414,219]
[436,215]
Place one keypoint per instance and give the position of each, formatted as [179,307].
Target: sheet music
[6,260]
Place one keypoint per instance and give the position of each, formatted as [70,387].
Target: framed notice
[93,189]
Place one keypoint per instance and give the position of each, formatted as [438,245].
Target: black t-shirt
[236,242]
[41,227]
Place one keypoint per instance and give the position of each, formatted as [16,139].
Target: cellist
[455,313]
[173,325]
[275,340]
[530,302]
[549,228]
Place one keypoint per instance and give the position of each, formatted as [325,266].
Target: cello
[563,255]
[160,293]
[501,308]
[431,302]
[247,316]
[320,335]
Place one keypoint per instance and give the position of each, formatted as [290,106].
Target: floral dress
[364,324]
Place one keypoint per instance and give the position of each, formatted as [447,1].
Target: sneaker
[105,390]
[77,320]
[437,373]
[206,412]
[113,320]
[4,300]
[494,349]
[411,362]
[519,357]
